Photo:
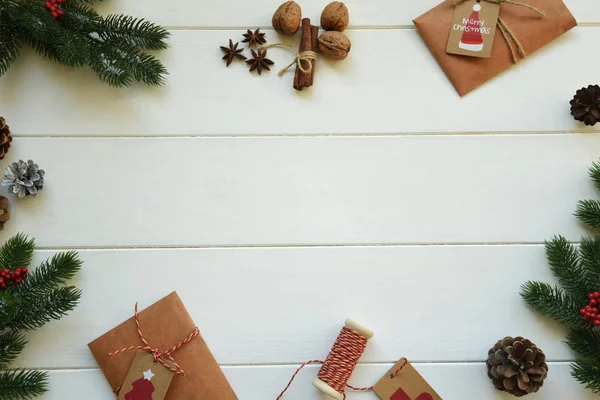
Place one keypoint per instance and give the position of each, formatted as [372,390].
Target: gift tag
[145,379]
[403,382]
[473,28]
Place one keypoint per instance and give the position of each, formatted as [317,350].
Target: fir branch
[11,345]
[134,31]
[563,258]
[51,274]
[10,45]
[33,310]
[589,251]
[587,372]
[595,174]
[17,252]
[553,303]
[20,384]
[72,50]
[81,17]
[588,212]
[35,21]
[585,342]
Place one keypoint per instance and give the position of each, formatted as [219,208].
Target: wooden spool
[325,388]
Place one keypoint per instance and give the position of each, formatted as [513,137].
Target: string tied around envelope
[337,368]
[506,32]
[163,357]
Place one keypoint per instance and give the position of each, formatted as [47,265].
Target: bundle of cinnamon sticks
[308,42]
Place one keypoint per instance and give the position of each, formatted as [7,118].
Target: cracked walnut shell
[334,45]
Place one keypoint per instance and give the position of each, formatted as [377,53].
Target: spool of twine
[337,368]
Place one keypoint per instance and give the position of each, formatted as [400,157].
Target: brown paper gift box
[165,324]
[533,31]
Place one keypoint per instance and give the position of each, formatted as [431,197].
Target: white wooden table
[379,195]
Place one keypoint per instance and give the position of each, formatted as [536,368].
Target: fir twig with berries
[72,33]
[576,303]
[28,300]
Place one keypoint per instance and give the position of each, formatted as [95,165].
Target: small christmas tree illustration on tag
[142,388]
[146,379]
[471,39]
[473,28]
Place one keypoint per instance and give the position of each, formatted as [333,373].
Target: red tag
[403,382]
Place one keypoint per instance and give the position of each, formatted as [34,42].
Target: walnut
[287,18]
[335,17]
[334,45]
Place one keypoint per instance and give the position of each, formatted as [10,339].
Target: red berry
[24,270]
[18,281]
[54,15]
[17,273]
[582,311]
[596,295]
[60,13]
[597,322]
[47,5]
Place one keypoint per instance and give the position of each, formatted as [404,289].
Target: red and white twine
[163,357]
[340,363]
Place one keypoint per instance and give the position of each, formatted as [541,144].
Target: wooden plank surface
[390,84]
[451,381]
[264,306]
[121,192]
[215,13]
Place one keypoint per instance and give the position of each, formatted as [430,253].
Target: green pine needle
[589,255]
[11,345]
[17,252]
[34,310]
[585,342]
[595,174]
[588,212]
[563,258]
[587,372]
[51,274]
[114,47]
[20,384]
[10,45]
[137,32]
[552,302]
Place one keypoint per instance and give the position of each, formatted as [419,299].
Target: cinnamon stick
[303,79]
[314,31]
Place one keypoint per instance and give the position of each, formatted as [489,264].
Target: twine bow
[505,30]
[163,357]
[307,56]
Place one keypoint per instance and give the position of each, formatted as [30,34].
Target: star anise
[260,61]
[232,52]
[255,37]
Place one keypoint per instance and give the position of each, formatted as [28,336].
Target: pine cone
[4,214]
[517,366]
[24,178]
[585,106]
[5,138]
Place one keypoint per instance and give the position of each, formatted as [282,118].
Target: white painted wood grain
[374,91]
[451,381]
[264,305]
[245,14]
[317,190]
